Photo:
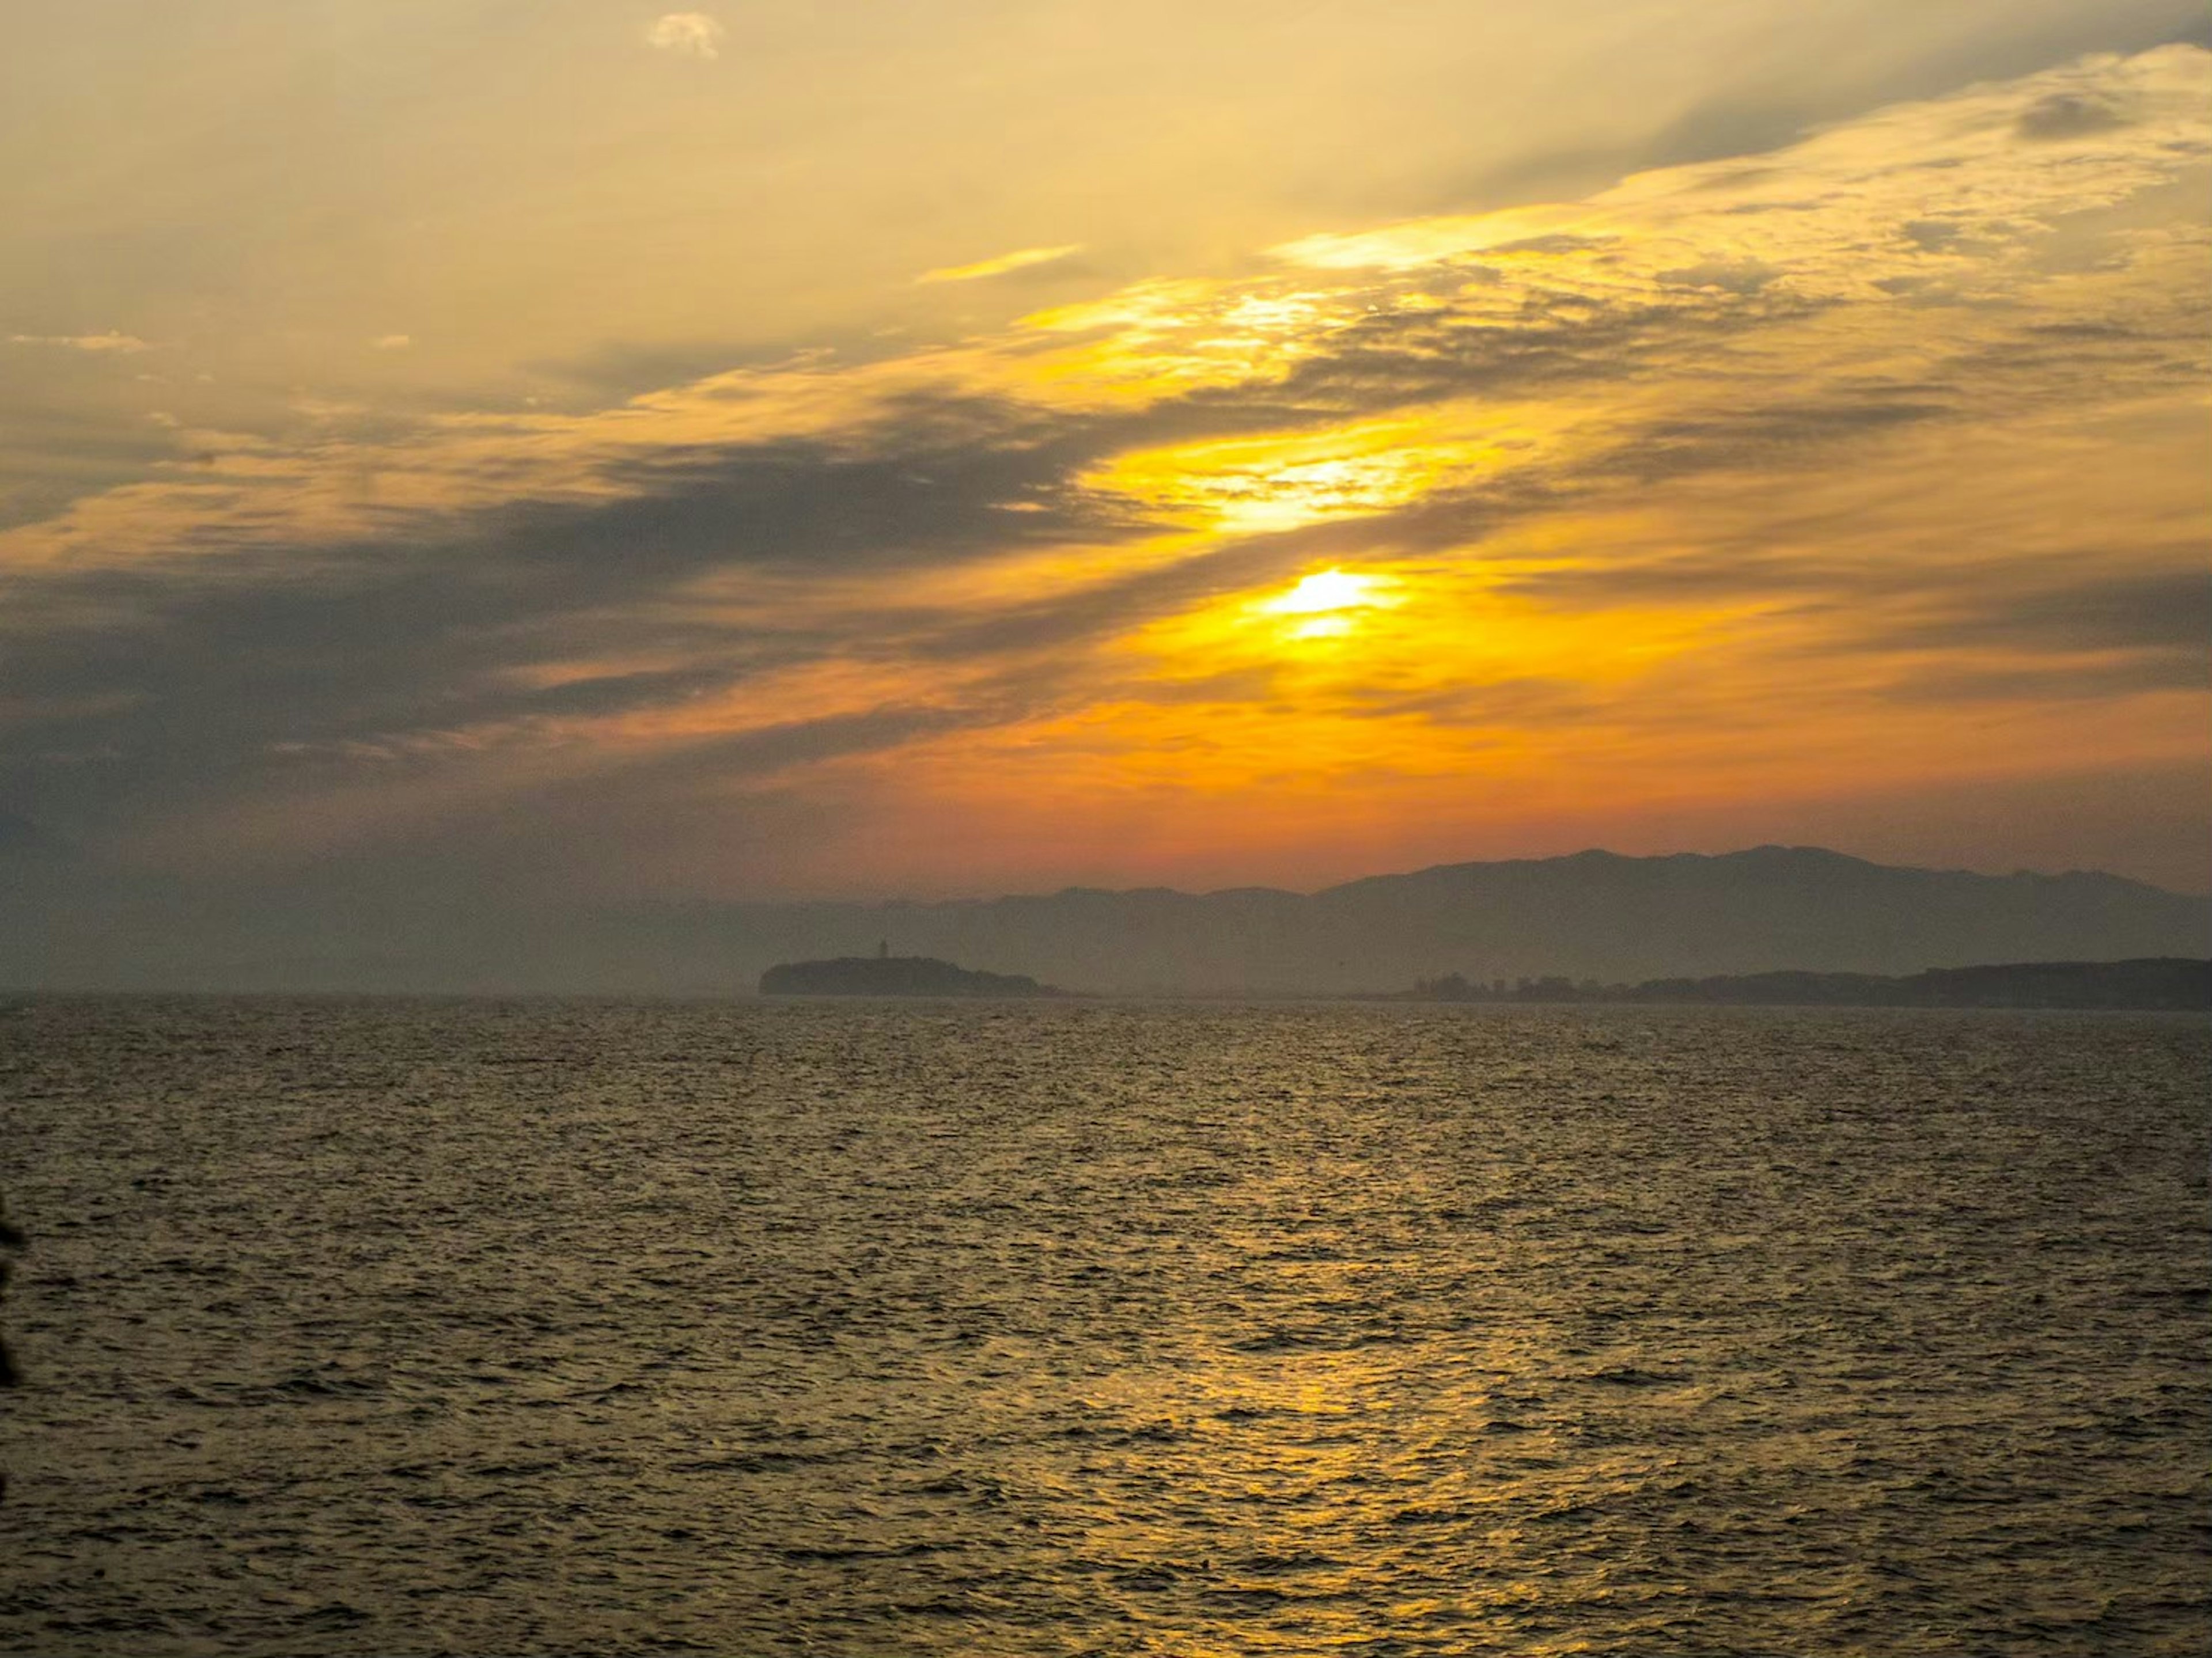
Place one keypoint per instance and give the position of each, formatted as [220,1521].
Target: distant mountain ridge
[1592,915]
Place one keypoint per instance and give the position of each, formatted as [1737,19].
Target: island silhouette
[886,975]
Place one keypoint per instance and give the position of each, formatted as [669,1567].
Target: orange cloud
[1877,458]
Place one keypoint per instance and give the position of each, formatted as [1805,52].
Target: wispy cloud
[1024,259]
[111,342]
[688,33]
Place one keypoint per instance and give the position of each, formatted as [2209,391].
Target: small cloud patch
[1023,260]
[2068,115]
[689,33]
[391,342]
[111,342]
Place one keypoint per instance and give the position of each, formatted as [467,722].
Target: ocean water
[474,1327]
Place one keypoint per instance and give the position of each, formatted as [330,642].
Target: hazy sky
[566,450]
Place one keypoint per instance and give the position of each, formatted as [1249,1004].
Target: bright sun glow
[1324,599]
[1263,486]
[1325,591]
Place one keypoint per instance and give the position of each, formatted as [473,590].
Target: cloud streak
[111,343]
[1027,258]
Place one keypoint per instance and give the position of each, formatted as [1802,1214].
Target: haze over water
[416,1326]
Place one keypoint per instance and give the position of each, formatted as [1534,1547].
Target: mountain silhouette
[1593,915]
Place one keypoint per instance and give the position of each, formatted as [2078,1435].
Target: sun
[1326,602]
[1324,590]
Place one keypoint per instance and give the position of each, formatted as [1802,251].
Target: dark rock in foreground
[893,976]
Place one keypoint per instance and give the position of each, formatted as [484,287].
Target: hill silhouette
[1591,915]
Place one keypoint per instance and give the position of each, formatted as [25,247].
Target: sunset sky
[581,453]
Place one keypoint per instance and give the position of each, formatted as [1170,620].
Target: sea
[471,1326]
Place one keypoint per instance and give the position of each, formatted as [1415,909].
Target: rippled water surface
[882,1328]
